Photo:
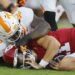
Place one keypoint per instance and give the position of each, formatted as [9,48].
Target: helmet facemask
[17,35]
[17,57]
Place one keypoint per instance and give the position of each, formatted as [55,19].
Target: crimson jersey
[66,37]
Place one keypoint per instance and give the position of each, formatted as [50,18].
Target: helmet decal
[8,15]
[4,26]
[8,24]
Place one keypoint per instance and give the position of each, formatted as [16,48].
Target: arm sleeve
[41,28]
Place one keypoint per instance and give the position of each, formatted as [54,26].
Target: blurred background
[35,5]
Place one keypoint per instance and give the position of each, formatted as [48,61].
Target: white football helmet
[9,26]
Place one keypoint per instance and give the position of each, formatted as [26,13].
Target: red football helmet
[11,56]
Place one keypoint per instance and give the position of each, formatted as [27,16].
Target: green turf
[64,24]
[11,71]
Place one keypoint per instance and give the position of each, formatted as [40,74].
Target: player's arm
[41,28]
[51,45]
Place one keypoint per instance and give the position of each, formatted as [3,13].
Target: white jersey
[26,16]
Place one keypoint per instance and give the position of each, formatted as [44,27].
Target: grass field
[11,71]
[64,24]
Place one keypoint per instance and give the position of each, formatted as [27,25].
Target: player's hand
[33,63]
[54,65]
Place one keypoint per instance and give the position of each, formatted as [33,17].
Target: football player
[27,18]
[60,42]
[12,30]
[19,23]
[49,8]
[54,50]
[59,10]
[40,30]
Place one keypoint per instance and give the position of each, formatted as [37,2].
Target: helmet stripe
[4,26]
